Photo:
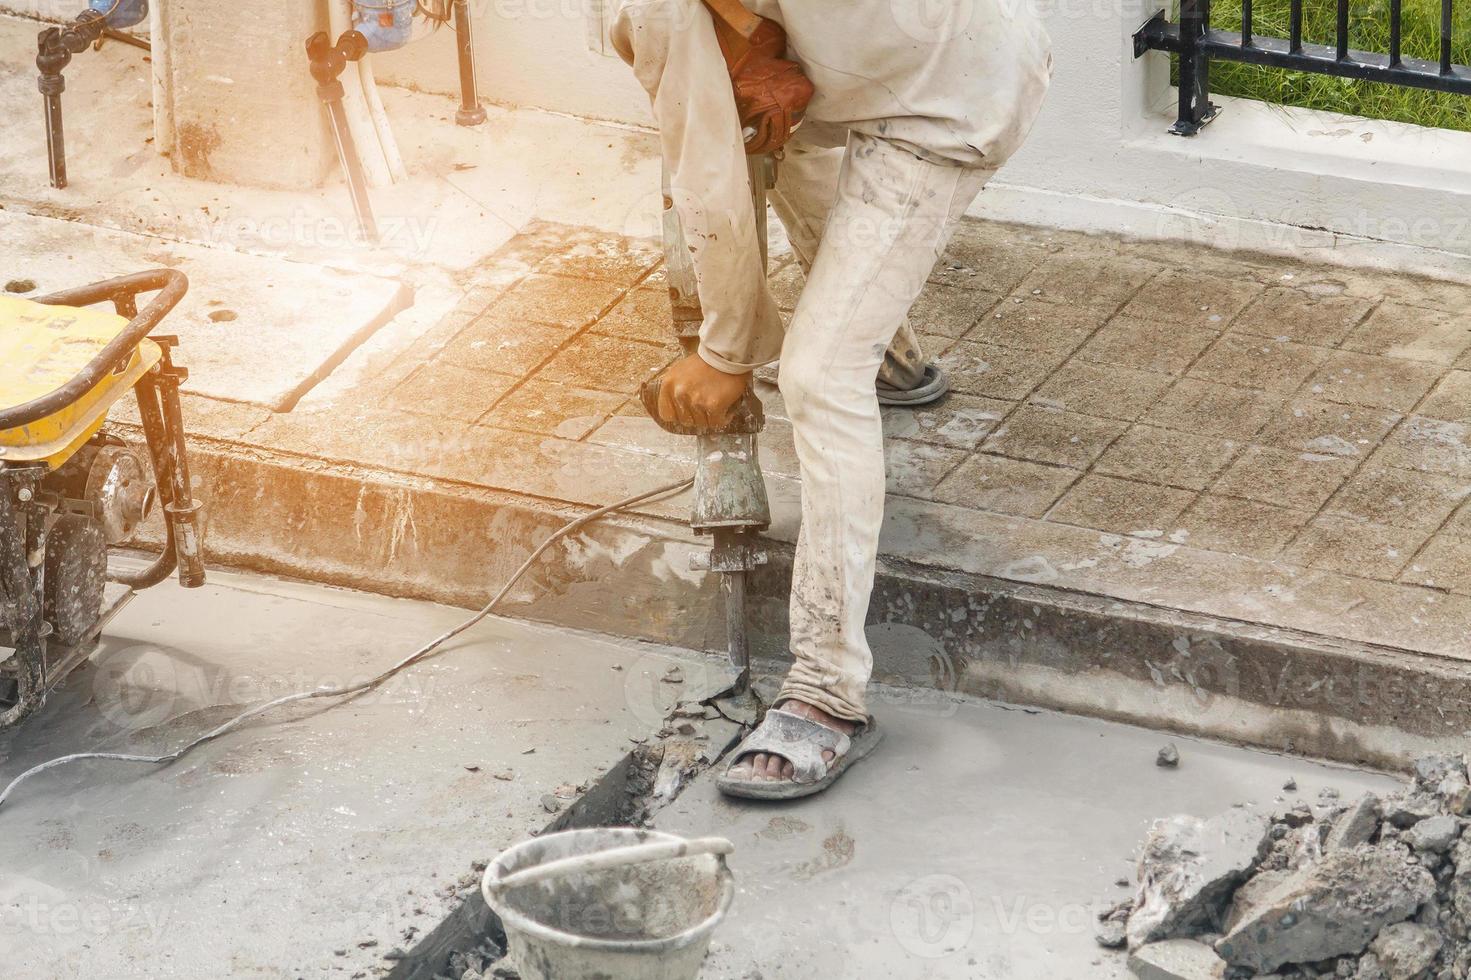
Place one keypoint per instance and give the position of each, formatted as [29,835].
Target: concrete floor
[977,842]
[312,831]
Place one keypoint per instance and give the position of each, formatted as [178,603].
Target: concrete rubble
[1373,888]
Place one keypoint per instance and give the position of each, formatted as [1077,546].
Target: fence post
[1195,105]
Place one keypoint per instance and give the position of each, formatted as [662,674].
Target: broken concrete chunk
[1369,969]
[1189,867]
[1431,770]
[1455,794]
[1177,959]
[1406,811]
[1356,825]
[1169,757]
[1110,934]
[1406,950]
[1434,835]
[1251,893]
[1329,909]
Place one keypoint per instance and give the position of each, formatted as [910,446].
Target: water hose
[348,689]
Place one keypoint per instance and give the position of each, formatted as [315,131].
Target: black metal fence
[1198,44]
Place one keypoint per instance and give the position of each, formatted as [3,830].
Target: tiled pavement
[1239,435]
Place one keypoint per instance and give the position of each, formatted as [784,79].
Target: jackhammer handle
[603,860]
[747,415]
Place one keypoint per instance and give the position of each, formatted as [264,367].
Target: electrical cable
[344,690]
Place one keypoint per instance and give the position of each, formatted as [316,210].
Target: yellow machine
[69,490]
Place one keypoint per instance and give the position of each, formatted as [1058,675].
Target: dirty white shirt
[954,81]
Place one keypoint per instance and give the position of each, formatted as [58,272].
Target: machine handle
[618,857]
[171,286]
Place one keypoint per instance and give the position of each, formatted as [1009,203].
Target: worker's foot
[797,750]
[768,767]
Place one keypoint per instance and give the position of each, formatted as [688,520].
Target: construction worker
[913,106]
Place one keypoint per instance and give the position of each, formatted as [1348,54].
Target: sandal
[801,742]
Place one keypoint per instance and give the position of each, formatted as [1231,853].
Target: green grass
[1368,31]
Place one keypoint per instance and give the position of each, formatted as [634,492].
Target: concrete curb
[935,633]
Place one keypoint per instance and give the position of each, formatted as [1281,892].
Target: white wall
[1100,157]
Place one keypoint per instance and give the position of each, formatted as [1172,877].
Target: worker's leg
[893,216]
[672,48]
[806,186]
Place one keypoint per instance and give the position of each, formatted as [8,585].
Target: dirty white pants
[871,219]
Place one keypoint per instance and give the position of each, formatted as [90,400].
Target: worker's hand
[695,394]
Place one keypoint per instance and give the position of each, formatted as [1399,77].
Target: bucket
[610,903]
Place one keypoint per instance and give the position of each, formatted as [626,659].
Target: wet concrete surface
[976,842]
[314,841]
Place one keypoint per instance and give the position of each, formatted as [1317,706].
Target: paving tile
[1300,316]
[1444,563]
[1412,333]
[948,310]
[961,421]
[1006,486]
[1341,544]
[1286,478]
[916,468]
[488,344]
[1108,390]
[1167,456]
[1190,298]
[786,285]
[1459,526]
[641,315]
[606,363]
[614,259]
[1431,445]
[1048,436]
[1242,527]
[1374,381]
[1252,362]
[973,261]
[1168,348]
[1400,498]
[1313,426]
[1088,278]
[1451,399]
[558,301]
[1214,410]
[996,372]
[441,389]
[1047,327]
[1122,506]
[423,445]
[554,409]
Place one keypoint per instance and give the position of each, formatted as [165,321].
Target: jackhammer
[730,503]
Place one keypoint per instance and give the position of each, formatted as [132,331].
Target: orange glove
[771,93]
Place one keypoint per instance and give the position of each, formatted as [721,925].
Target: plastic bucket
[620,904]
[121,13]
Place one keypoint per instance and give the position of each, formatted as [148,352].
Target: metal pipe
[1294,26]
[328,61]
[1246,23]
[471,112]
[1340,31]
[1445,36]
[1396,13]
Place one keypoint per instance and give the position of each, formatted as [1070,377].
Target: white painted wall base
[1340,188]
